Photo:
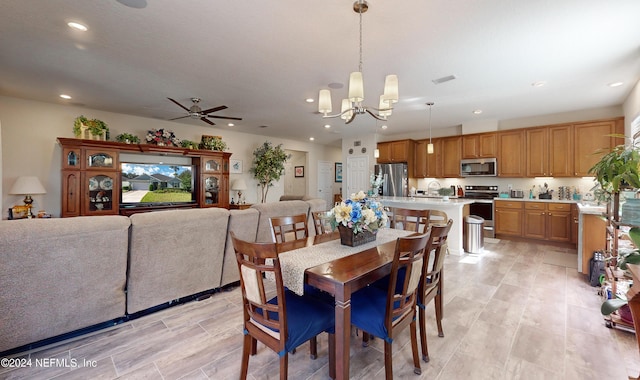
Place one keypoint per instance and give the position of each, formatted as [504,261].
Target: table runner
[295,262]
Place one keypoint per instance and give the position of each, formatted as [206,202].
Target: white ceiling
[263,58]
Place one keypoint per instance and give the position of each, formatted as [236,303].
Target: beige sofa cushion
[283,208]
[174,254]
[60,275]
[244,224]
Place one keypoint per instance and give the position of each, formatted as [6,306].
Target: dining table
[324,263]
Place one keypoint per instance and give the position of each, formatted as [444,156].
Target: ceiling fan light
[324,102]
[356,87]
[391,89]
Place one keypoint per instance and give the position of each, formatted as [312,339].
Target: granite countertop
[583,206]
[537,200]
[431,201]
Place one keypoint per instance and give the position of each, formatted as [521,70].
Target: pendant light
[430,145]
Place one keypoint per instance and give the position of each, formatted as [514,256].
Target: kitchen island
[456,210]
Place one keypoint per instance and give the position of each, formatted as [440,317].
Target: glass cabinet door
[213,165]
[70,158]
[101,193]
[211,189]
[101,159]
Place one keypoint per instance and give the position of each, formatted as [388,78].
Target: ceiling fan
[195,112]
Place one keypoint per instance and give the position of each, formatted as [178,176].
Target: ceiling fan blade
[224,117]
[181,117]
[181,106]
[214,109]
[207,121]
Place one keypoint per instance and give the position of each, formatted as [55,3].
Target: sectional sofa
[67,275]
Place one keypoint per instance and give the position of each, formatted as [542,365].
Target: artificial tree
[268,166]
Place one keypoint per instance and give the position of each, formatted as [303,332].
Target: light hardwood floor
[507,315]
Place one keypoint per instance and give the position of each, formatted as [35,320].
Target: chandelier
[353,105]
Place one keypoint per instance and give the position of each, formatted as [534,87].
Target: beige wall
[28,147]
[631,108]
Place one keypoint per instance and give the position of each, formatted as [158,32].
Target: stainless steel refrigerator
[396,180]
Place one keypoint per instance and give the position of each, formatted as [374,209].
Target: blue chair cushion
[367,311]
[306,318]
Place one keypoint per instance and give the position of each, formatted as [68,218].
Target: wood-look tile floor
[507,315]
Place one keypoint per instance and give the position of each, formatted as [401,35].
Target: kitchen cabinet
[594,238]
[508,218]
[395,151]
[434,161]
[420,159]
[483,145]
[451,156]
[594,137]
[511,153]
[549,151]
[575,223]
[547,220]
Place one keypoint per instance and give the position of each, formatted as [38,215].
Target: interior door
[325,180]
[357,174]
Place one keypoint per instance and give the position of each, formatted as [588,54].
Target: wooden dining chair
[287,228]
[385,313]
[410,220]
[431,285]
[321,222]
[283,322]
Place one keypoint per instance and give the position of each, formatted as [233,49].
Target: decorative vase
[347,237]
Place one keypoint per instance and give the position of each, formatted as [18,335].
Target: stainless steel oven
[483,206]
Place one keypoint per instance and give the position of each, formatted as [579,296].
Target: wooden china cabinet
[91,175]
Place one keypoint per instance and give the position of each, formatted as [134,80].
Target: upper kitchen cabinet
[395,151]
[420,159]
[549,151]
[511,153]
[451,156]
[428,165]
[483,145]
[594,137]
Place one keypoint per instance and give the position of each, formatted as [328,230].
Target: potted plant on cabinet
[268,166]
[97,129]
[127,138]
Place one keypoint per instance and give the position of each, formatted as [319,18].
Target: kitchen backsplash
[583,185]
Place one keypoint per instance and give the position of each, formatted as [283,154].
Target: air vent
[444,79]
[357,143]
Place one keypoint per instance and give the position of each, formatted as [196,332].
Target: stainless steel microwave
[479,167]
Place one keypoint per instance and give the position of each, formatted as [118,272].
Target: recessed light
[539,83]
[615,84]
[384,127]
[309,100]
[230,124]
[477,112]
[65,96]
[327,126]
[77,26]
[311,139]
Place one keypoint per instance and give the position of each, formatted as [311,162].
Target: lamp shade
[356,87]
[391,89]
[324,102]
[383,107]
[346,105]
[27,185]
[239,184]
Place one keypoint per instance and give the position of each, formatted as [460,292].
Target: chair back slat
[438,247]
[410,220]
[288,228]
[321,222]
[401,300]
[256,262]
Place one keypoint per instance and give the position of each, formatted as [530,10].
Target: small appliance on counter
[517,194]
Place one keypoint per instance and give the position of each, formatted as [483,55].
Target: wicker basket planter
[347,237]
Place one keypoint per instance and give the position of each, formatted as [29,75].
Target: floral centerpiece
[161,137]
[358,219]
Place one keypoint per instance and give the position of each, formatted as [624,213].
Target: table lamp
[239,185]
[27,186]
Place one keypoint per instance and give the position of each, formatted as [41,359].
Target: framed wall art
[299,171]
[338,171]
[236,166]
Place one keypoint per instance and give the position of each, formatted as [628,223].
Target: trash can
[474,239]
